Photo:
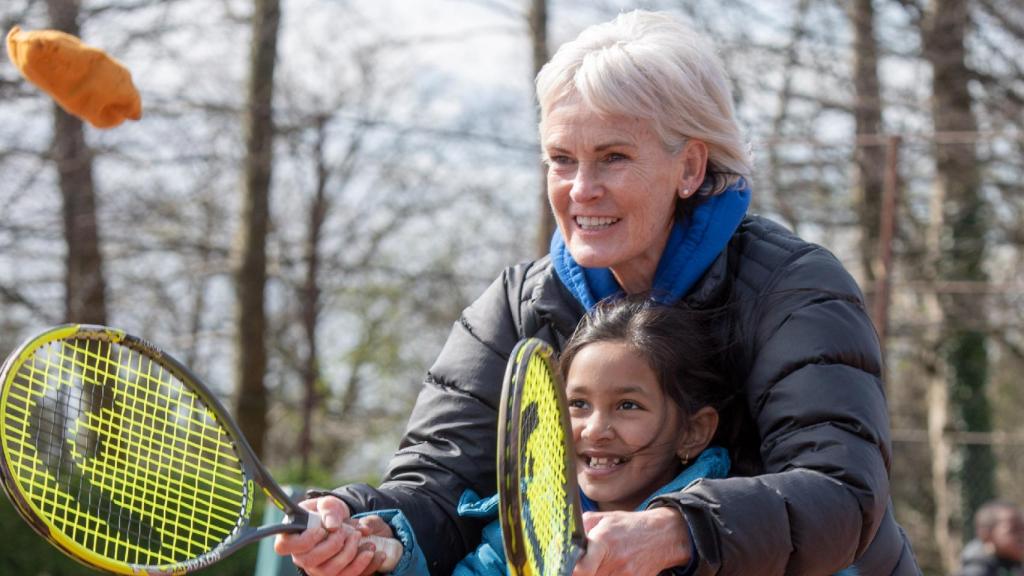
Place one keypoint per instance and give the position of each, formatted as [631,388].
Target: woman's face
[627,432]
[613,188]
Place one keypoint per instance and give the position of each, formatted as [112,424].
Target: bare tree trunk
[944,30]
[309,294]
[781,116]
[84,284]
[198,287]
[941,453]
[886,234]
[251,355]
[869,153]
[311,299]
[937,395]
[538,18]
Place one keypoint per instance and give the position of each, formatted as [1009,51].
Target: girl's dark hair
[689,351]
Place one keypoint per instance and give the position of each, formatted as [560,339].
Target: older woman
[648,180]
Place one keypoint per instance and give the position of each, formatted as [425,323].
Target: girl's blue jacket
[489,558]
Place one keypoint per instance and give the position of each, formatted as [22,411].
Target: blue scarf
[713,462]
[691,248]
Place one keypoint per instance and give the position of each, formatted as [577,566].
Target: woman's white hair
[650,65]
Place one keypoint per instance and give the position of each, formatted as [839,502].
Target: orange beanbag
[85,81]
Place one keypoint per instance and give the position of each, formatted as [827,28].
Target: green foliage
[27,554]
[969,360]
[315,477]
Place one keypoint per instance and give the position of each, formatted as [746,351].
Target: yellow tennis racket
[121,458]
[540,511]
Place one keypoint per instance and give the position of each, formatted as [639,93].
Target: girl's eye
[629,405]
[577,404]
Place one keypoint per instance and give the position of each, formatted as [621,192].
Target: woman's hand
[334,548]
[643,543]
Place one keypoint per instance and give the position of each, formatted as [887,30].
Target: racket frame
[254,473]
[509,450]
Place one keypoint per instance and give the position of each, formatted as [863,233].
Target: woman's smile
[592,223]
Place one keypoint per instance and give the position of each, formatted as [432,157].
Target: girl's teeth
[604,462]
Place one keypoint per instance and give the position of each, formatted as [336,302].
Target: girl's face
[613,188]
[628,433]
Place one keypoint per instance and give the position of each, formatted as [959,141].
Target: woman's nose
[586,185]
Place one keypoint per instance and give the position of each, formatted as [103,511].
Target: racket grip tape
[391,547]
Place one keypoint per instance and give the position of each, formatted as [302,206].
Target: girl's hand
[334,548]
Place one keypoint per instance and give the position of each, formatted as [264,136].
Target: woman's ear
[698,434]
[694,158]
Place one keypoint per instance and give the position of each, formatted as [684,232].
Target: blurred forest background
[318,187]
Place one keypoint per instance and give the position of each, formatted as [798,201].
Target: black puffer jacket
[812,389]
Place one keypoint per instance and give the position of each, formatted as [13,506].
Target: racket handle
[391,547]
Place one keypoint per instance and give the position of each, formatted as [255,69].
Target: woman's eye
[560,160]
[615,157]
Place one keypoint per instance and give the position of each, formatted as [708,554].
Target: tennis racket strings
[117,455]
[541,512]
[543,475]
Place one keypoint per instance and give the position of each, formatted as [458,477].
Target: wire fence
[941,467]
[932,487]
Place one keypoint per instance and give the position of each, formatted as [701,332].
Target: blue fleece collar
[690,250]
[713,462]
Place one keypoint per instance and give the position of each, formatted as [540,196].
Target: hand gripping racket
[540,510]
[121,458]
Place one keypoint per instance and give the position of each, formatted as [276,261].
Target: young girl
[648,391]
